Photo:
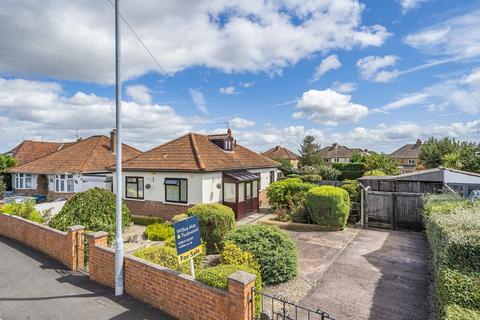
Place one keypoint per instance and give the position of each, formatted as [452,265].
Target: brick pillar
[74,254]
[242,305]
[94,258]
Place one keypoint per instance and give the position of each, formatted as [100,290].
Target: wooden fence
[394,210]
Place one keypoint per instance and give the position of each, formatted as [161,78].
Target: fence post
[75,237]
[394,211]
[242,300]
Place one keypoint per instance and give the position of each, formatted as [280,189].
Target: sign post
[187,240]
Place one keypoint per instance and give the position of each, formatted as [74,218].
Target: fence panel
[379,208]
[408,211]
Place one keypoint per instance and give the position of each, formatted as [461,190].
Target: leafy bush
[308,170]
[350,171]
[287,197]
[328,206]
[353,189]
[170,242]
[167,257]
[25,210]
[216,220]
[179,217]
[232,254]
[217,277]
[146,220]
[94,209]
[329,173]
[452,226]
[312,178]
[375,173]
[274,250]
[158,232]
[294,175]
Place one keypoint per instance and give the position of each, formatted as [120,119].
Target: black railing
[268,307]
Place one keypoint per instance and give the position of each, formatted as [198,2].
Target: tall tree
[433,150]
[381,162]
[310,152]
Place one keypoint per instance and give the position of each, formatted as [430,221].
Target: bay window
[64,183]
[176,190]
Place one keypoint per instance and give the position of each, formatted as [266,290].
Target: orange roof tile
[195,152]
[30,150]
[90,155]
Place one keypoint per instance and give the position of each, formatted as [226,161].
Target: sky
[368,74]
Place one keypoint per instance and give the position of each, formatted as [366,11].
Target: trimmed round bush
[167,257]
[179,217]
[232,254]
[311,178]
[94,209]
[274,250]
[216,220]
[328,206]
[158,232]
[217,277]
[280,193]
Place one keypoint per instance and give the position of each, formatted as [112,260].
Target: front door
[42,184]
[248,196]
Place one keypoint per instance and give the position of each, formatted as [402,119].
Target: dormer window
[227,144]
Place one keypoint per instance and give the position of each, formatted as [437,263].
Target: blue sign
[187,238]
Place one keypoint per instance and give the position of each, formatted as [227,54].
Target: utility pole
[118,160]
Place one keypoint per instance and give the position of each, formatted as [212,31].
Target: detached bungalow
[74,168]
[197,168]
[30,150]
[337,153]
[279,152]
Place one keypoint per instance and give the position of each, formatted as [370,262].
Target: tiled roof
[280,153]
[408,151]
[30,150]
[338,151]
[196,152]
[89,155]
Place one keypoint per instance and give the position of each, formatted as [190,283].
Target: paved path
[33,286]
[381,275]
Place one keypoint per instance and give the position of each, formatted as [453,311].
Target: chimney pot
[419,142]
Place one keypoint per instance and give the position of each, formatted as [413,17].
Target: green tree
[310,152]
[6,162]
[357,156]
[286,166]
[433,150]
[382,162]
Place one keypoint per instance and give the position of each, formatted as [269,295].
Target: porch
[240,192]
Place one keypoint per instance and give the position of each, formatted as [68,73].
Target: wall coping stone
[242,277]
[97,234]
[76,228]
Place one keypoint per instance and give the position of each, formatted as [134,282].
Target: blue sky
[368,74]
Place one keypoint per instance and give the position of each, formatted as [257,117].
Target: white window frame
[411,161]
[62,183]
[23,181]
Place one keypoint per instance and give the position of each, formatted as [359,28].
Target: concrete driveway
[382,274]
[33,286]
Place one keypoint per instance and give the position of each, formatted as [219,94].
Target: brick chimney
[418,143]
[113,140]
[335,145]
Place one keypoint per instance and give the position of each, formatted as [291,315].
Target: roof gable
[410,151]
[280,153]
[30,150]
[196,152]
[90,155]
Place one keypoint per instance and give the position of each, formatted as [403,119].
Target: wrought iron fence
[268,307]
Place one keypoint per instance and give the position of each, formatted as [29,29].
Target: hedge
[285,194]
[350,170]
[328,206]
[167,257]
[216,220]
[452,227]
[158,232]
[274,250]
[25,210]
[146,220]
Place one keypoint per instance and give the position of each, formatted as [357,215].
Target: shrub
[328,206]
[167,257]
[25,210]
[293,175]
[329,173]
[308,170]
[350,171]
[311,178]
[274,250]
[94,209]
[375,173]
[146,220]
[280,193]
[353,189]
[158,232]
[217,277]
[232,254]
[179,217]
[170,242]
[452,227]
[216,220]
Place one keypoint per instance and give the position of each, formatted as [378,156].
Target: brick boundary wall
[177,294]
[155,208]
[61,246]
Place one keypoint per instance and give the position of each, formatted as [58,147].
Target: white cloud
[408,5]
[458,37]
[74,40]
[139,93]
[344,87]
[227,90]
[247,84]
[329,63]
[373,68]
[198,99]
[329,107]
[238,122]
[461,93]
[35,109]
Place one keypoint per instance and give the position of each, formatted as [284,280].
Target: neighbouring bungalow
[30,150]
[338,153]
[195,169]
[77,167]
[279,152]
[406,157]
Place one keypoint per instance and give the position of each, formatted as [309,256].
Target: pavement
[382,274]
[34,286]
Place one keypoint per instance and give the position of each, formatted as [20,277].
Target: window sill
[177,203]
[134,199]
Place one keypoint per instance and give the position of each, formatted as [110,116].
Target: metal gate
[393,210]
[268,307]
